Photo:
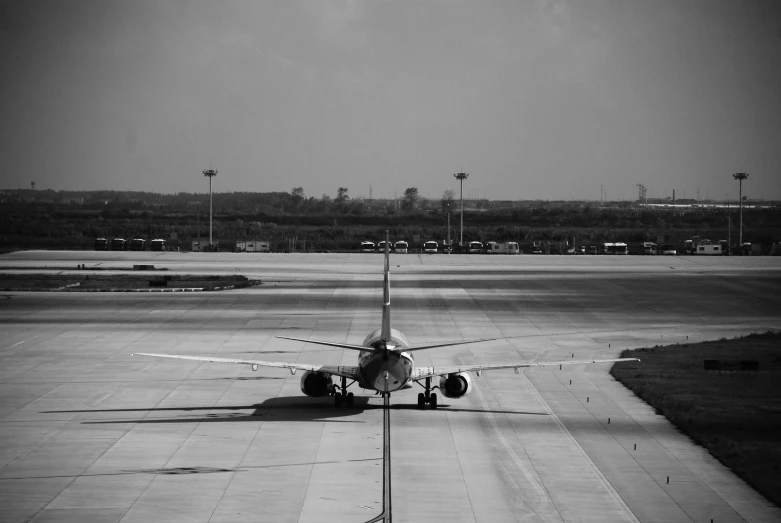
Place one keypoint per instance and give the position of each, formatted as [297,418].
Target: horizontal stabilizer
[450,343]
[328,343]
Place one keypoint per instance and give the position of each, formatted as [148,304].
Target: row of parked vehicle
[433,247]
[121,244]
[476,247]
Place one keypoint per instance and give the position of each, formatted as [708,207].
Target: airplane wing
[428,372]
[328,343]
[347,372]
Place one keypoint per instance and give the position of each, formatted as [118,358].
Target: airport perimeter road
[91,433]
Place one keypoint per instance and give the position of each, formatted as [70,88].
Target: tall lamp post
[740,177]
[211,173]
[461,177]
[449,243]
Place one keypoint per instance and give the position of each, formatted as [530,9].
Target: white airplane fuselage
[385,370]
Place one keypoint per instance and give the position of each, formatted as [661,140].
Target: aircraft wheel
[421,400]
[350,399]
[338,400]
[433,401]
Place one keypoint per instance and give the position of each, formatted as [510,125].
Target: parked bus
[430,246]
[101,244]
[381,246]
[137,244]
[614,248]
[367,246]
[119,244]
[504,248]
[158,244]
[401,247]
[476,247]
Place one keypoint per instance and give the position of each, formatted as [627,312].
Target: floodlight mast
[740,177]
[211,173]
[461,177]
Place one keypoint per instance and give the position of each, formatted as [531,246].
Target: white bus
[401,247]
[614,248]
[430,246]
[504,248]
[381,246]
[367,246]
[476,247]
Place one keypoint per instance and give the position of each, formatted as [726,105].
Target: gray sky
[535,99]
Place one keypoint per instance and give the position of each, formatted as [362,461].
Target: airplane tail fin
[386,323]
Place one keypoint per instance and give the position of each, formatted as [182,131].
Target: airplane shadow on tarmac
[289,408]
[286,408]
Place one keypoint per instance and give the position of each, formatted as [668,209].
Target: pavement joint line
[75,477]
[575,397]
[541,489]
[244,455]
[670,455]
[619,500]
[311,471]
[536,480]
[458,457]
[143,491]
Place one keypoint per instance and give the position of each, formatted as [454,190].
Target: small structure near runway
[253,246]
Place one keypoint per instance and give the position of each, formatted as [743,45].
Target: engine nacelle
[316,384]
[455,385]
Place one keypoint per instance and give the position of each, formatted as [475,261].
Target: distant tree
[297,199]
[410,199]
[448,197]
[341,194]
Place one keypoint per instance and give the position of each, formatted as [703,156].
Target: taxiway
[90,433]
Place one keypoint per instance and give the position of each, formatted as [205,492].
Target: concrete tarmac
[91,433]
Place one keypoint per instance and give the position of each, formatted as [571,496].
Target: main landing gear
[347,397]
[427,397]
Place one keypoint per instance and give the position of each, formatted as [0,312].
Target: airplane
[385,363]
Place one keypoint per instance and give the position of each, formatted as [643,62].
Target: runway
[91,433]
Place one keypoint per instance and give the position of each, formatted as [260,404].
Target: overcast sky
[535,99]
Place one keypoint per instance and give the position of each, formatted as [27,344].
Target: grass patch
[119,282]
[735,415]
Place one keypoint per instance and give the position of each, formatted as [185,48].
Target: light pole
[740,177]
[449,244]
[461,177]
[211,173]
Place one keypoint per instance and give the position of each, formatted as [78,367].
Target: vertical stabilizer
[386,324]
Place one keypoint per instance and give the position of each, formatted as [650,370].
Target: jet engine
[455,385]
[316,384]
